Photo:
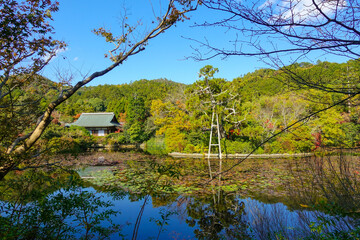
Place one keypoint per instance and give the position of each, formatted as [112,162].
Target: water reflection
[53,204]
[217,216]
[276,221]
[310,199]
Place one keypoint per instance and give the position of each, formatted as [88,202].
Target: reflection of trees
[159,200]
[218,215]
[331,179]
[275,221]
[329,184]
[143,178]
[52,204]
[32,184]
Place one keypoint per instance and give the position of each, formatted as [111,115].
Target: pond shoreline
[103,158]
[108,158]
[240,156]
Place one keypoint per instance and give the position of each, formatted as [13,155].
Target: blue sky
[164,57]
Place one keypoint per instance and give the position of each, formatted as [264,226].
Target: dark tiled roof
[97,120]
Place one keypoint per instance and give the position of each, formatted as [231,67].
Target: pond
[312,198]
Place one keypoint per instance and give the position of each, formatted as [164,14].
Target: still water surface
[257,220]
[263,199]
[175,199]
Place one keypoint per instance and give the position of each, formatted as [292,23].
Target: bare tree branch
[331,26]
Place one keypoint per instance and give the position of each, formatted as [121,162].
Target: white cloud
[301,10]
[76,58]
[57,53]
[267,3]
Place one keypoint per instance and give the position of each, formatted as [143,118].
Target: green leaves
[135,118]
[64,214]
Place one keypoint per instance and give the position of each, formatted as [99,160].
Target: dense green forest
[171,116]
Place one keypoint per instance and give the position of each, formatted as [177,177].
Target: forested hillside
[115,98]
[171,116]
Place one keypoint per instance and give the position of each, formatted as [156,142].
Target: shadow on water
[305,198]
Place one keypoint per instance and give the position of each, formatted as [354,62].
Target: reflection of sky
[130,210]
[275,217]
[261,217]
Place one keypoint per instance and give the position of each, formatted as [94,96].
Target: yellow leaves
[304,205]
[168,115]
[174,140]
[156,107]
[48,13]
[104,33]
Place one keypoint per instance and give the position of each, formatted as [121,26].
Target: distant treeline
[172,116]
